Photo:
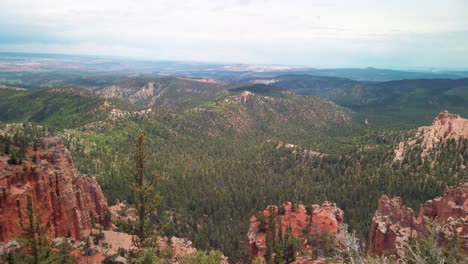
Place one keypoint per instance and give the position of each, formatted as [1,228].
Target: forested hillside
[164,91]
[231,152]
[391,104]
[222,181]
[57,107]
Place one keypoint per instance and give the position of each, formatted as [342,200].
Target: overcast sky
[318,33]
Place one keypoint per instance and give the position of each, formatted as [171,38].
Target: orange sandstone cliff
[321,220]
[66,202]
[394,224]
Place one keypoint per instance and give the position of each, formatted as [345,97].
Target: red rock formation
[451,210]
[445,126]
[324,219]
[393,223]
[392,226]
[66,202]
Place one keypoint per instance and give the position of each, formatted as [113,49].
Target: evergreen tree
[144,195]
[291,246]
[34,234]
[7,146]
[279,243]
[271,236]
[454,251]
[61,254]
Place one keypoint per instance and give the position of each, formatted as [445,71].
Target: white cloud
[235,30]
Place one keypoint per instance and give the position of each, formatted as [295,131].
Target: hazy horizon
[320,34]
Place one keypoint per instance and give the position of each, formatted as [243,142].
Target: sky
[318,33]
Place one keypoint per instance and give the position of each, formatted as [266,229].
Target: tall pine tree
[34,234]
[143,192]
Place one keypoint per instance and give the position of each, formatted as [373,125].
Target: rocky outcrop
[303,223]
[180,247]
[161,91]
[109,243]
[394,224]
[445,126]
[451,210]
[66,202]
[301,152]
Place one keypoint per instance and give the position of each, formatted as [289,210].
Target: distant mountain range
[397,103]
[20,67]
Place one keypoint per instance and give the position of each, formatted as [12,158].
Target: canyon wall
[67,203]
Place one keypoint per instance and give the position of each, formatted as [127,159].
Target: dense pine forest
[211,186]
[223,155]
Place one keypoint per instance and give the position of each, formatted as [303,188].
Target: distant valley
[228,141]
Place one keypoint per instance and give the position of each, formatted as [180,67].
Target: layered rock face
[66,202]
[451,210]
[445,126]
[394,224]
[323,219]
